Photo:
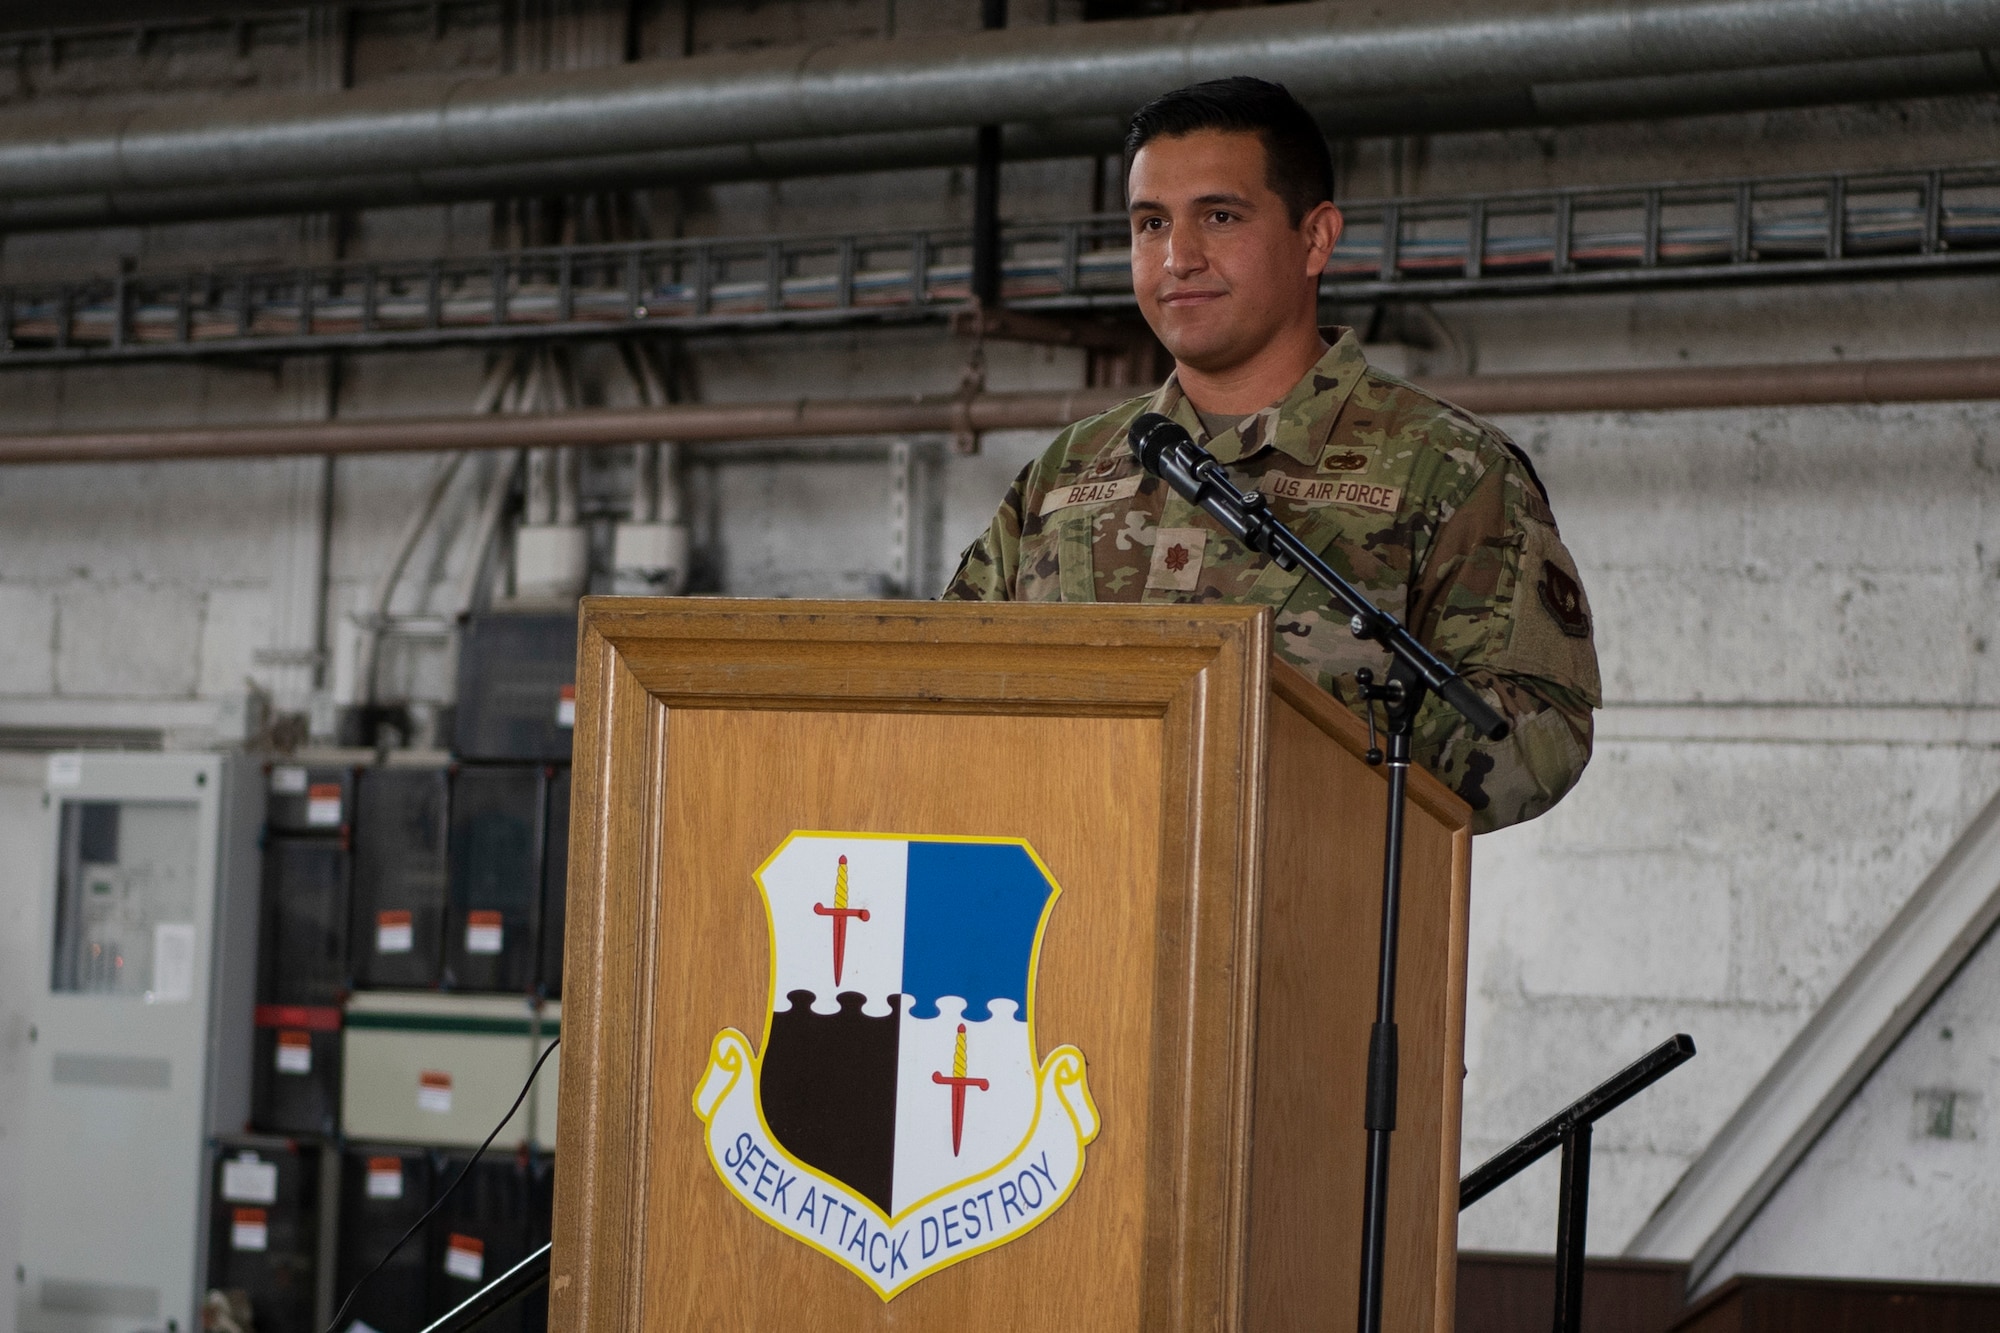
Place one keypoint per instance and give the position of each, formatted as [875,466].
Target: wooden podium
[1217,839]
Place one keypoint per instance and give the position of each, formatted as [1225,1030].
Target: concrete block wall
[1719,887]
[1794,611]
[1905,1183]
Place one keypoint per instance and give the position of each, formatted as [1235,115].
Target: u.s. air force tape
[1360,494]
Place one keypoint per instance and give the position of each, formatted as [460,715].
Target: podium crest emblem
[898,1117]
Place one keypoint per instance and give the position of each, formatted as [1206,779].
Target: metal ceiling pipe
[800,419]
[1889,78]
[1696,388]
[1323,51]
[1963,379]
[776,159]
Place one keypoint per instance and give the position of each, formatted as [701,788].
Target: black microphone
[1165,449]
[1155,433]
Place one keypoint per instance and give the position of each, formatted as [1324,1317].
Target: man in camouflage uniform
[1433,513]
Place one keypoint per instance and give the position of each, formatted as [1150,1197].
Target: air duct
[890,103]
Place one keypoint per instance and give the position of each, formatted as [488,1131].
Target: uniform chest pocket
[1055,561]
[1076,571]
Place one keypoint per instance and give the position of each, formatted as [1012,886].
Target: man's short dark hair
[1297,164]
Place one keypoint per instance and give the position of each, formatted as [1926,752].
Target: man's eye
[1220,216]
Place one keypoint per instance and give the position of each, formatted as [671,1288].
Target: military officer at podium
[1433,512]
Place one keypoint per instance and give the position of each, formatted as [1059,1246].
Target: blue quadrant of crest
[971,913]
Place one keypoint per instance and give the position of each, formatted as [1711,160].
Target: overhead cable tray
[1794,228]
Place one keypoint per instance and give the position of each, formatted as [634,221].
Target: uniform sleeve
[987,570]
[1499,598]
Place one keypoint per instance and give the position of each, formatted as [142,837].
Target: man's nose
[1185,256]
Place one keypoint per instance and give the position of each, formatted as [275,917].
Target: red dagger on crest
[840,911]
[958,1083]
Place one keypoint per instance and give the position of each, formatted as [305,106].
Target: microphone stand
[1165,449]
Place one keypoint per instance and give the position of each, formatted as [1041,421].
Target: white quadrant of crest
[801,876]
[997,1118]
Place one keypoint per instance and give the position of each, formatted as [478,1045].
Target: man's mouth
[1190,297]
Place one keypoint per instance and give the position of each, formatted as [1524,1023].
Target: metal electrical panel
[264,1219]
[548,1083]
[139,1037]
[490,1223]
[384,1191]
[304,951]
[435,1069]
[295,1084]
[400,831]
[302,799]
[516,687]
[497,816]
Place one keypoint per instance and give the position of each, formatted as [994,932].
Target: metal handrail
[1570,1130]
[1594,1105]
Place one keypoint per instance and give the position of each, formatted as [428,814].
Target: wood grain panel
[607,1000]
[1009,657]
[1129,746]
[917,775]
[1320,933]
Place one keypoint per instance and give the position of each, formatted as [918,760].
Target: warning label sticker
[465,1257]
[250,1229]
[482,932]
[434,1091]
[393,932]
[385,1177]
[295,1053]
[323,805]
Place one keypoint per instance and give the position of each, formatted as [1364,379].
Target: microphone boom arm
[1198,477]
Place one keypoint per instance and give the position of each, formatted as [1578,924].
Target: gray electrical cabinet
[139,1037]
[437,1069]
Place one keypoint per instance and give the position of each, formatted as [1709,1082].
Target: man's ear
[1321,228]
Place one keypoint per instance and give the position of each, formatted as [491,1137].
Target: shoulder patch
[1562,597]
[1550,631]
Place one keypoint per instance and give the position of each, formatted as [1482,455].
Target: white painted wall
[1906,1181]
[1794,612]
[1714,887]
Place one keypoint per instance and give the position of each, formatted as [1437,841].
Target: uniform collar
[1299,425]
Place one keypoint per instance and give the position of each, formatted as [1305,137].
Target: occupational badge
[898,1117]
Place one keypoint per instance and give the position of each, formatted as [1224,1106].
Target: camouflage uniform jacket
[1429,510]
